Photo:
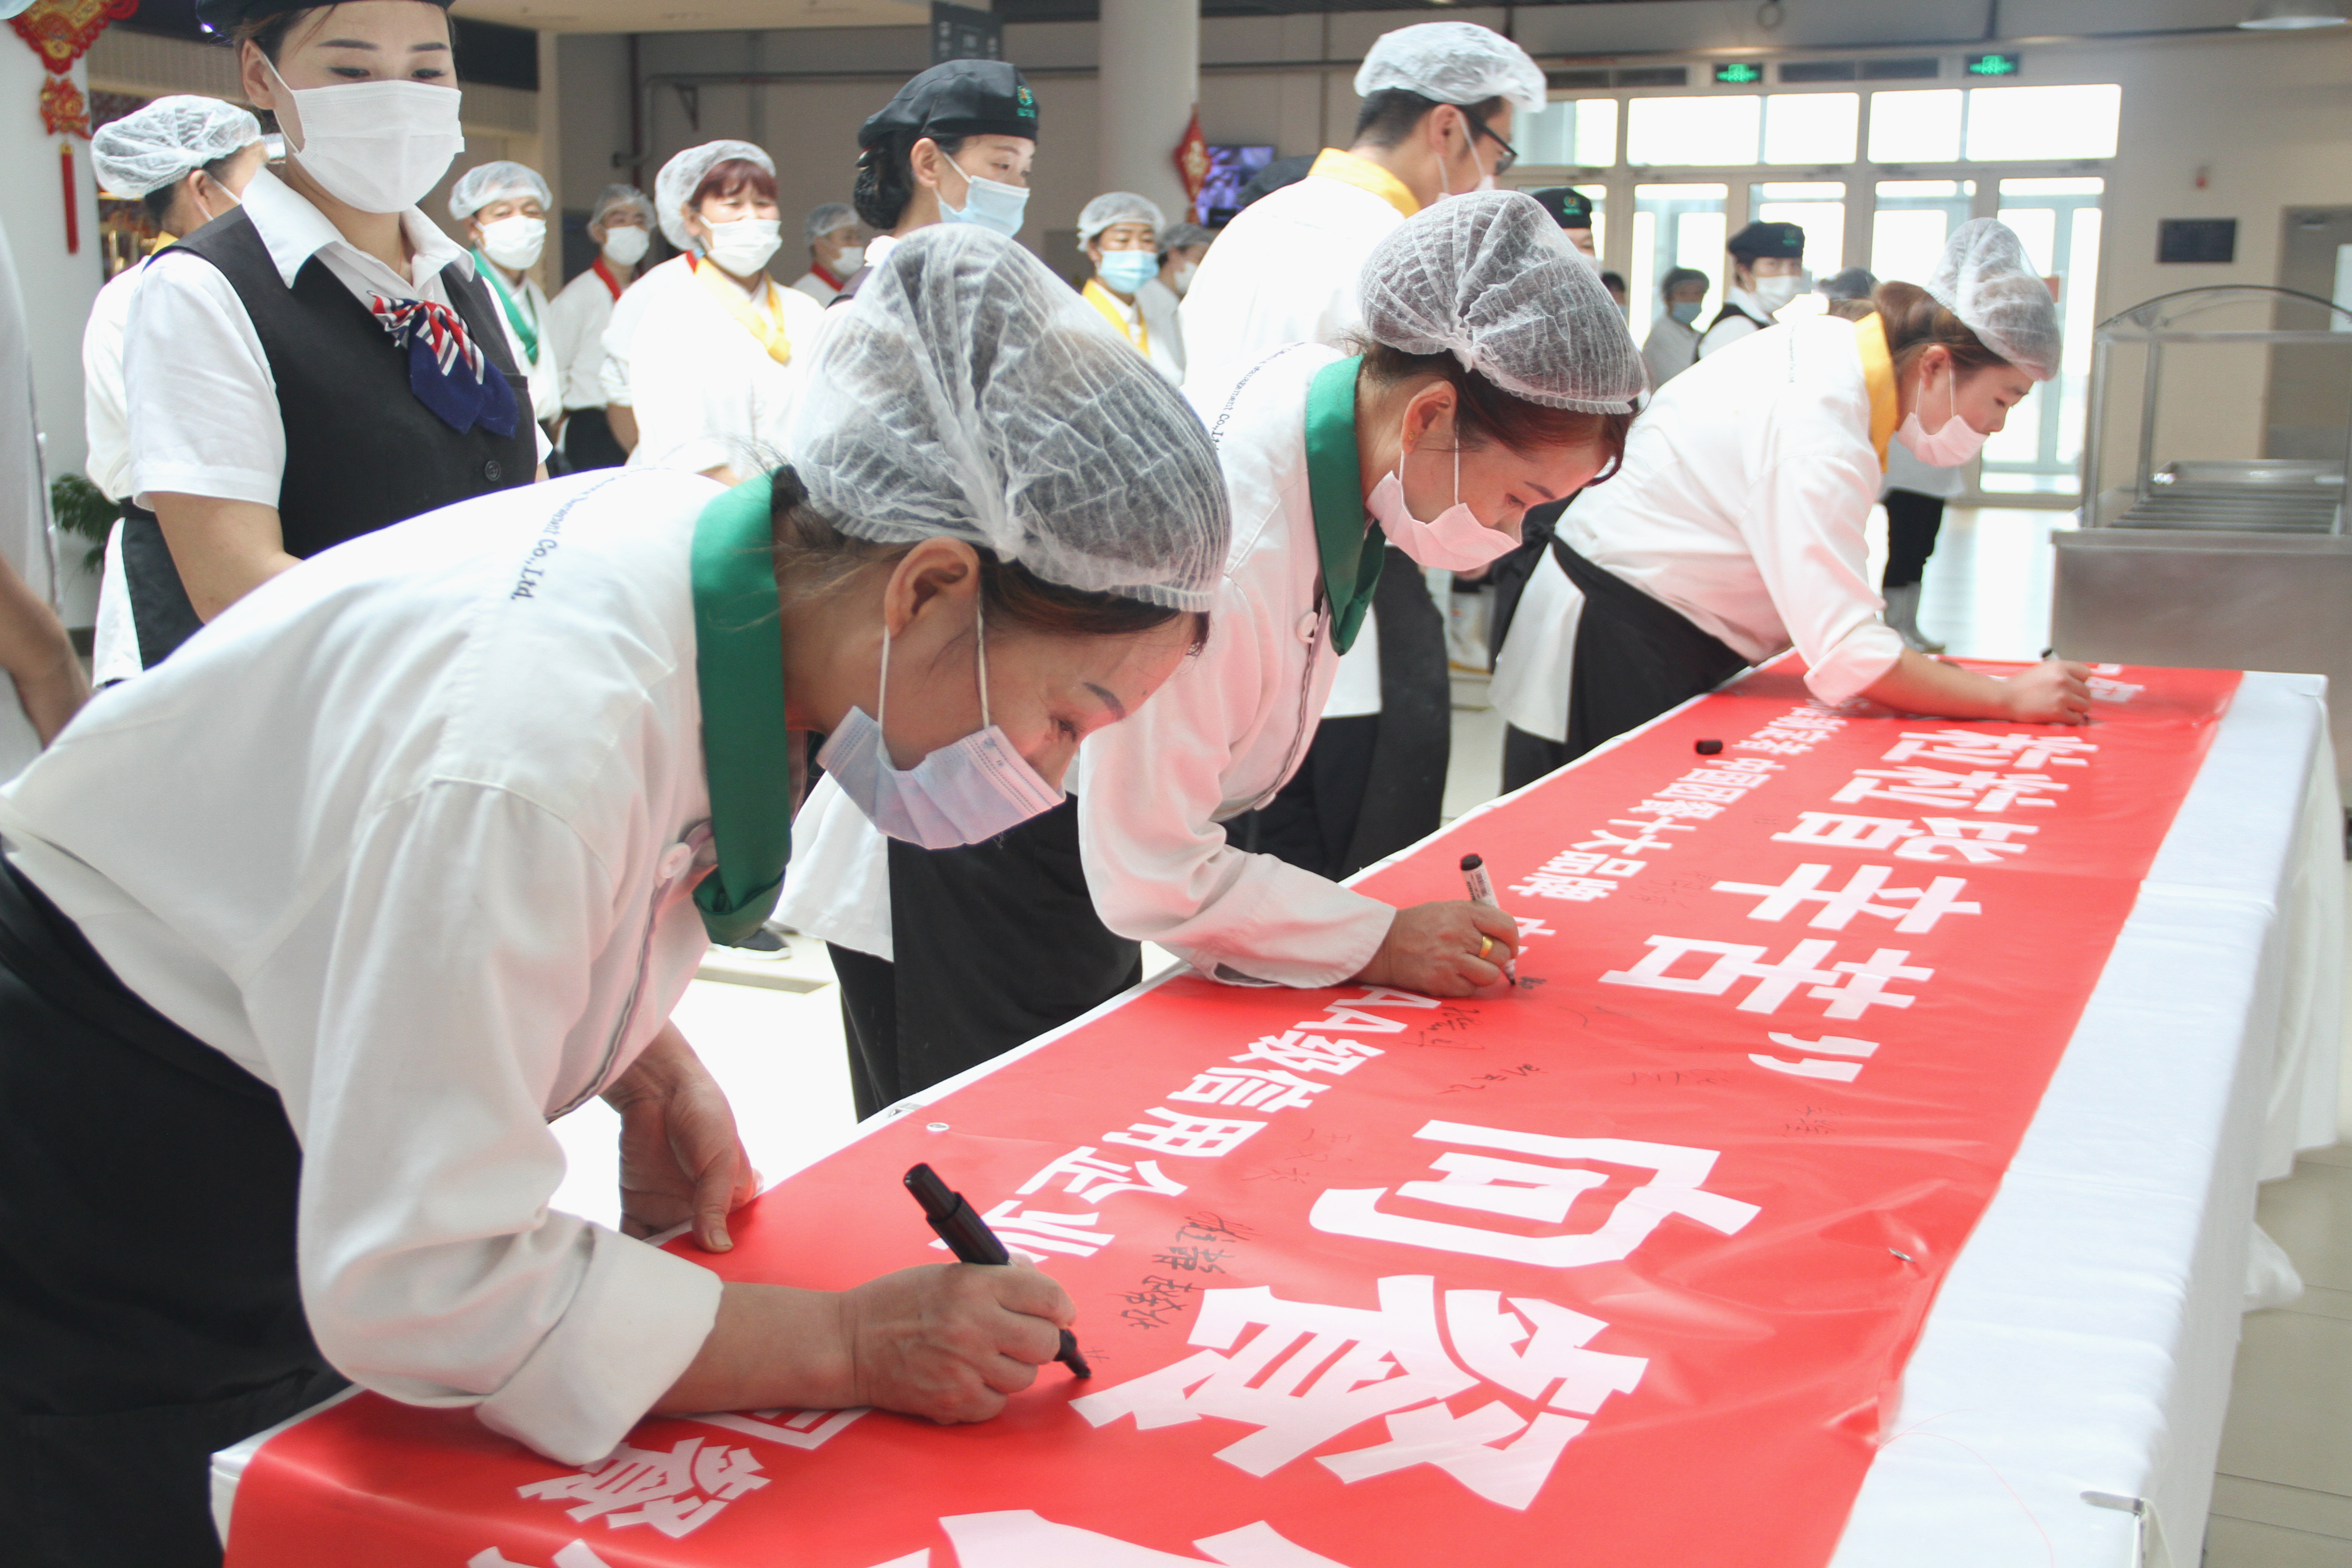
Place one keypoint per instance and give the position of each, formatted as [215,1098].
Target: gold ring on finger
[1486,945]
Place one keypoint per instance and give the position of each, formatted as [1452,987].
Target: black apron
[1635,656]
[148,1297]
[996,943]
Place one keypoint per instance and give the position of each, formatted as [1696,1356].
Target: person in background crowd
[1672,346]
[504,206]
[718,352]
[592,435]
[33,647]
[1572,210]
[1852,293]
[186,159]
[1614,282]
[1120,232]
[835,251]
[1768,270]
[953,145]
[323,360]
[1182,245]
[1738,526]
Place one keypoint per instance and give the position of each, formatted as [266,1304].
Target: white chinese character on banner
[1312,1372]
[577,1554]
[1980,749]
[1522,1190]
[1656,806]
[1250,1088]
[1940,838]
[1862,895]
[1813,1066]
[1850,989]
[1189,1137]
[676,1493]
[1304,1052]
[1346,1016]
[1568,889]
[2106,690]
[1643,836]
[1979,791]
[793,1428]
[1034,1232]
[1089,1178]
[1020,1537]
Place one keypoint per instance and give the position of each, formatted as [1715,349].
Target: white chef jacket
[1163,319]
[422,862]
[1229,728]
[1671,349]
[817,288]
[1128,316]
[574,327]
[1747,485]
[544,373]
[620,329]
[1732,329]
[106,424]
[204,419]
[705,390]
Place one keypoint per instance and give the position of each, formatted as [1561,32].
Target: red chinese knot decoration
[1192,163]
[64,111]
[61,31]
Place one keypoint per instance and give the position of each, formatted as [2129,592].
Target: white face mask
[626,247]
[1950,444]
[1457,542]
[378,145]
[515,243]
[992,204]
[962,793]
[1772,293]
[849,259]
[1181,279]
[743,246]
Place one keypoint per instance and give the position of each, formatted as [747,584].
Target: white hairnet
[1452,62]
[968,392]
[1120,207]
[1989,283]
[613,198]
[166,141]
[483,183]
[1489,279]
[823,220]
[674,186]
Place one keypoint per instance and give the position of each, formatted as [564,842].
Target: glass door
[1678,225]
[2042,448]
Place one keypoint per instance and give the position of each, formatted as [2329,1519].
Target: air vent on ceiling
[1918,68]
[1651,75]
[1569,81]
[1818,70]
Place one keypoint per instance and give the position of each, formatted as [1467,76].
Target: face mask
[1457,542]
[1182,280]
[743,246]
[1684,310]
[1950,444]
[514,243]
[851,259]
[1124,271]
[626,247]
[962,793]
[378,145]
[991,204]
[1775,292]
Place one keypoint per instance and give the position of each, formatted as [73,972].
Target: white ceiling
[687,15]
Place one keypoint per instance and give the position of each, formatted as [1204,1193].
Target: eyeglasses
[1510,153]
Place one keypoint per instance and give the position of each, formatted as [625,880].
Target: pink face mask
[1455,542]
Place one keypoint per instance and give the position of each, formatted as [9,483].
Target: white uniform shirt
[105,418]
[1163,319]
[1671,349]
[1130,315]
[575,322]
[422,862]
[1231,727]
[817,288]
[1732,329]
[1747,486]
[705,390]
[204,419]
[545,374]
[621,328]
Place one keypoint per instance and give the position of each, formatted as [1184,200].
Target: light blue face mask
[991,204]
[1124,271]
[962,793]
[1684,310]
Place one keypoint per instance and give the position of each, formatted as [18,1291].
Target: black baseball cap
[1759,240]
[221,15]
[1569,208]
[961,97]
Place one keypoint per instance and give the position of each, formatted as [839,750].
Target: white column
[1150,80]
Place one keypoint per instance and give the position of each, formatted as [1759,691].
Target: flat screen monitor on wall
[1230,168]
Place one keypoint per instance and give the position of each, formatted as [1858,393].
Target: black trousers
[996,943]
[1913,520]
[1311,821]
[148,1301]
[589,442]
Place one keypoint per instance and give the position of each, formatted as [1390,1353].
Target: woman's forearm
[39,656]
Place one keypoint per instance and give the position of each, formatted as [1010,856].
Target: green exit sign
[1993,65]
[1740,73]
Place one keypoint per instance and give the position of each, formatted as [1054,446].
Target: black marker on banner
[968,1237]
[1482,892]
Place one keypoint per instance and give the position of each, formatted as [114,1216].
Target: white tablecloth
[2084,1340]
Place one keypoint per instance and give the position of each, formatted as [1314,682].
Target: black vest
[360,451]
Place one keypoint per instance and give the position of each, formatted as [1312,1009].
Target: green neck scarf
[1351,551]
[739,669]
[525,328]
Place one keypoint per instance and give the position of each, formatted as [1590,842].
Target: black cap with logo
[1569,208]
[962,98]
[1759,240]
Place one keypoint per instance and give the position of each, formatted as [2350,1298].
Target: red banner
[1622,1266]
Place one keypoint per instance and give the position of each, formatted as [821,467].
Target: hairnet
[1490,278]
[1179,235]
[1120,207]
[970,393]
[823,220]
[1854,283]
[1989,283]
[1677,276]
[676,185]
[612,199]
[166,141]
[483,183]
[1452,62]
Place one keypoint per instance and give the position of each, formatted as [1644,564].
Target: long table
[2080,1341]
